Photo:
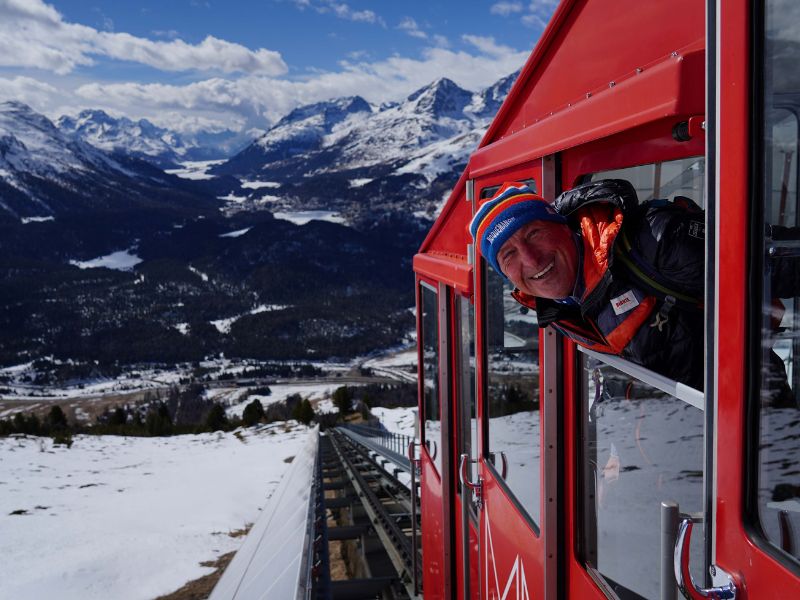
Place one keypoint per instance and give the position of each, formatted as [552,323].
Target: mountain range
[84,195]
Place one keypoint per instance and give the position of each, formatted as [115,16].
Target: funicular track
[372,508]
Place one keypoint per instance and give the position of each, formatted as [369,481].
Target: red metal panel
[433,541]
[512,556]
[452,270]
[630,103]
[592,44]
[758,575]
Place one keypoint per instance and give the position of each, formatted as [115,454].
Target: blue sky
[242,64]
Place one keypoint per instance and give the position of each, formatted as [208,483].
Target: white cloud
[257,100]
[536,15]
[34,35]
[487,45]
[539,13]
[410,26]
[506,8]
[37,94]
[341,10]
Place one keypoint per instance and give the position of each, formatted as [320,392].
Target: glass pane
[640,447]
[682,177]
[430,370]
[778,477]
[469,421]
[512,337]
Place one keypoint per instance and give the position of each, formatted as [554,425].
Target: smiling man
[615,276]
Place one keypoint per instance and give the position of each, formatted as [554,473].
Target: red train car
[582,473]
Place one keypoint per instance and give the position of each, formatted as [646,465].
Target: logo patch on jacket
[624,303]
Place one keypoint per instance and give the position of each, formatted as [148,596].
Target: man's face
[541,259]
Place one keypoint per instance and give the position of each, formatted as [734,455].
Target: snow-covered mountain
[136,138]
[142,139]
[357,158]
[45,172]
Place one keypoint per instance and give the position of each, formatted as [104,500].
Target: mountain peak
[443,97]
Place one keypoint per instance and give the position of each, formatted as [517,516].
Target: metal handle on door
[684,578]
[477,487]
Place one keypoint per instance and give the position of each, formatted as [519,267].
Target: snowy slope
[130,518]
[45,172]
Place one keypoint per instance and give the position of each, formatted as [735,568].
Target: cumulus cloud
[535,15]
[487,45]
[506,8]
[341,10]
[37,94]
[258,100]
[35,35]
[410,26]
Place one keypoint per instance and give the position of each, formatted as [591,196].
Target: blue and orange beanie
[500,217]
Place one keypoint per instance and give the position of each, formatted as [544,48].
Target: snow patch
[195,169]
[257,185]
[224,325]
[235,234]
[200,274]
[122,260]
[301,217]
[356,183]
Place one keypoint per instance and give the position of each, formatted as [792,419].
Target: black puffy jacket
[644,274]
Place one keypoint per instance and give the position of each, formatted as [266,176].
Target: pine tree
[253,413]
[217,420]
[56,419]
[304,412]
[343,400]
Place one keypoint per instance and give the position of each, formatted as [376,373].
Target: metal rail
[369,479]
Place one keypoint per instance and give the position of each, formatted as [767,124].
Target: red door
[757,425]
[436,540]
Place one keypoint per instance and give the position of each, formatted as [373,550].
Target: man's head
[527,241]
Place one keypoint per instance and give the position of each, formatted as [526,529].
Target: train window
[641,446]
[490,191]
[469,421]
[430,374]
[512,339]
[775,486]
[668,179]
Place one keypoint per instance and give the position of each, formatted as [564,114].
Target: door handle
[680,563]
[477,487]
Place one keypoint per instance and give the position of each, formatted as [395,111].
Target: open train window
[512,386]
[774,415]
[431,431]
[683,177]
[642,439]
[490,191]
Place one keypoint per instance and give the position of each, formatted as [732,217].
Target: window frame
[484,422]
[757,252]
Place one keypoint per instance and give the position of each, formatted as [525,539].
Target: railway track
[362,483]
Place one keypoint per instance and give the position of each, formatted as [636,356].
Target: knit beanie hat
[514,206]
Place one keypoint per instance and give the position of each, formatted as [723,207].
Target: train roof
[599,68]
